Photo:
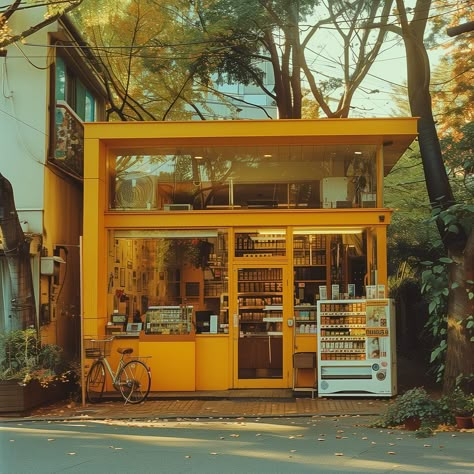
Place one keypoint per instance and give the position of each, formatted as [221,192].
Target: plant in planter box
[40,369]
[412,409]
[458,407]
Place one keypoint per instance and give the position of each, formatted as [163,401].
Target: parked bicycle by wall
[132,376]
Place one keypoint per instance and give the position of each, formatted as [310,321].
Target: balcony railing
[69,140]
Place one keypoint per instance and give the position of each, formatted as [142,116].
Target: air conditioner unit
[177,207]
[334,192]
[136,191]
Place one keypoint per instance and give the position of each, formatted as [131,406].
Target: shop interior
[177,283]
[275,177]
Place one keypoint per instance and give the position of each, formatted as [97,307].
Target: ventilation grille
[136,192]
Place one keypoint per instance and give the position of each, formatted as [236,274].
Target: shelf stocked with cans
[253,244]
[260,300]
[342,308]
[342,334]
[355,347]
[305,319]
[342,322]
[342,315]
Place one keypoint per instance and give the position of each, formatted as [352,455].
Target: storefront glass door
[260,326]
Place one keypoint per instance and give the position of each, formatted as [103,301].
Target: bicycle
[132,377]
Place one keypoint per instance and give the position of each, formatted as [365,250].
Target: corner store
[240,219]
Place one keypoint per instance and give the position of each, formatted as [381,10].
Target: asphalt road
[243,445]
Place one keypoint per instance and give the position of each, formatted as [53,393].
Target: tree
[243,34]
[55,10]
[181,47]
[228,39]
[17,252]
[458,239]
[143,75]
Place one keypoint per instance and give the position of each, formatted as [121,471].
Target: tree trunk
[17,251]
[460,349]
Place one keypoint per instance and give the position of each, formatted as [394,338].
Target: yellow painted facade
[214,361]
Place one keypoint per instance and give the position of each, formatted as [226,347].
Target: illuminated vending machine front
[356,348]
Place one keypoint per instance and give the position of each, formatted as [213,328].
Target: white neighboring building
[49,87]
[244,102]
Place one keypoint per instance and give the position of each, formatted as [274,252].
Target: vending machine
[356,348]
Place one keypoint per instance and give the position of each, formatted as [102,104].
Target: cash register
[133,329]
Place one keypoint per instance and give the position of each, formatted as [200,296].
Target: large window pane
[244,177]
[149,269]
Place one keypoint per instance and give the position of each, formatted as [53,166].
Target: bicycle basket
[95,348]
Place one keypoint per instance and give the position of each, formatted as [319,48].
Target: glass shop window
[174,268]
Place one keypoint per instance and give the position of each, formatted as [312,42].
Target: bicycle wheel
[95,382]
[134,380]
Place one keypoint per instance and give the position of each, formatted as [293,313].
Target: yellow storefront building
[208,244]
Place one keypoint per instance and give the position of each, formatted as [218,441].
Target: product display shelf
[169,320]
[351,361]
[305,319]
[342,330]
[260,299]
[310,260]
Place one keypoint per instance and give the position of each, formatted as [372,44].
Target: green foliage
[414,403]
[417,403]
[437,287]
[410,238]
[23,358]
[456,403]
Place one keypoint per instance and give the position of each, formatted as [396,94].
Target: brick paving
[252,403]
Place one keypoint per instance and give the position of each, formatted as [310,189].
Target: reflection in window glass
[60,79]
[245,177]
[149,269]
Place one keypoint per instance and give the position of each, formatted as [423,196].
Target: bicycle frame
[113,375]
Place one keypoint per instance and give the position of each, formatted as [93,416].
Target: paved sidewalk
[211,405]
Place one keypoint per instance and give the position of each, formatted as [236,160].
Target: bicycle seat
[125,350]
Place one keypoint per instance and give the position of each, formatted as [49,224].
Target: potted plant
[412,409]
[460,407]
[31,373]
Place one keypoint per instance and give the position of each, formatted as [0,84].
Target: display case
[260,298]
[356,353]
[169,320]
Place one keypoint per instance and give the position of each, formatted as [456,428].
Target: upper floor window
[70,89]
[74,103]
[250,177]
